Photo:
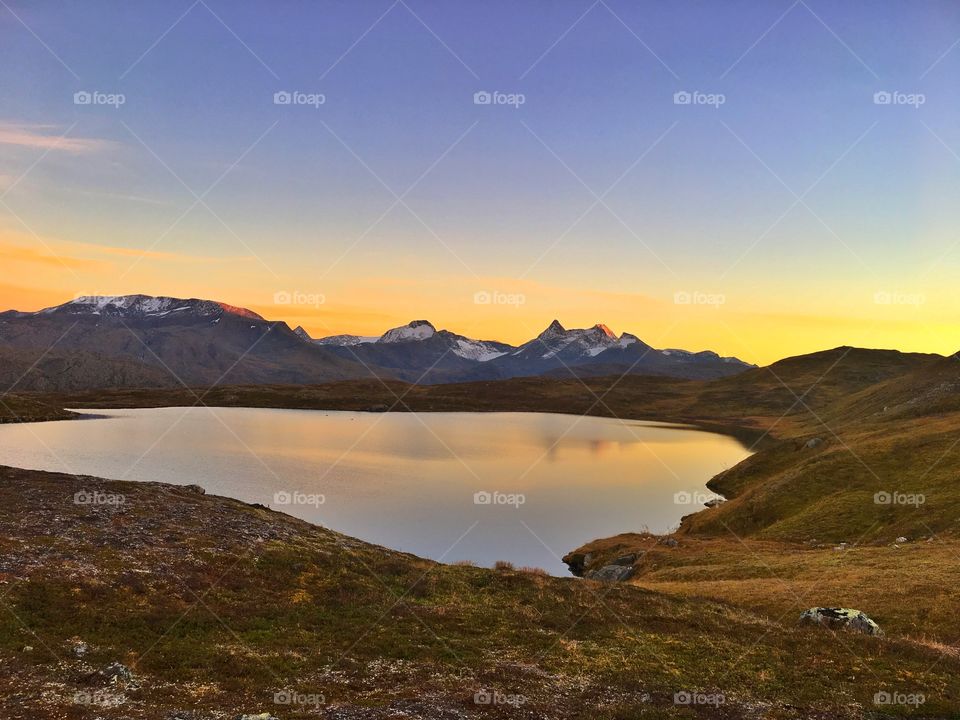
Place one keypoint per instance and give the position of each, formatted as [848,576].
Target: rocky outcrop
[841,619]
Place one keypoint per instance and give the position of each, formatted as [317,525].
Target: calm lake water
[523,487]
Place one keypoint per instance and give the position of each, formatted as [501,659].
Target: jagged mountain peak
[554,329]
[302,334]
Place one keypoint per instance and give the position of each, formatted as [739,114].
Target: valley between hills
[850,500]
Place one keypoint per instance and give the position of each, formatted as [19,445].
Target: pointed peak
[302,334]
[605,330]
[553,329]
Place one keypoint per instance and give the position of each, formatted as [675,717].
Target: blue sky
[702,197]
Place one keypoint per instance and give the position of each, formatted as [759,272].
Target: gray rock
[626,559]
[901,539]
[80,649]
[611,573]
[669,542]
[261,716]
[196,489]
[841,619]
[813,443]
[713,502]
[116,672]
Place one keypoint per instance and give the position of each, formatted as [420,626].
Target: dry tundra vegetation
[174,604]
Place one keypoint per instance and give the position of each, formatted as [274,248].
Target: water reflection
[402,480]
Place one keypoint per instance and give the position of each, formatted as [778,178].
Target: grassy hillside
[213,606]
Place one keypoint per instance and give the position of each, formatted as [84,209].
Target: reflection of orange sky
[760,325]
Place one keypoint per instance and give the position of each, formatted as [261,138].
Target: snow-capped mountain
[144,306]
[411,332]
[145,341]
[418,352]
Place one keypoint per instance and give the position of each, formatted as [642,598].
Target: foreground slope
[165,603]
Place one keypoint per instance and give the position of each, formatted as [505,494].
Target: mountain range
[144,341]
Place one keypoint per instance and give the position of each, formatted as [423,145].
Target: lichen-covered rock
[611,573]
[841,619]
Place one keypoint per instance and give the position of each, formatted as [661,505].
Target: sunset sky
[787,208]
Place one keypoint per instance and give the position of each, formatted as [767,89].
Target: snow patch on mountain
[476,350]
[414,331]
[347,340]
[145,306]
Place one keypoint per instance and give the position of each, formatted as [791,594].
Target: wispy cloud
[16,253]
[48,137]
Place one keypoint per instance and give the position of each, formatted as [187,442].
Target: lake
[522,487]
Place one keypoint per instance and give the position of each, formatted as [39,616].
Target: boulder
[840,619]
[117,672]
[577,562]
[813,443]
[625,559]
[611,573]
[669,542]
[195,489]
